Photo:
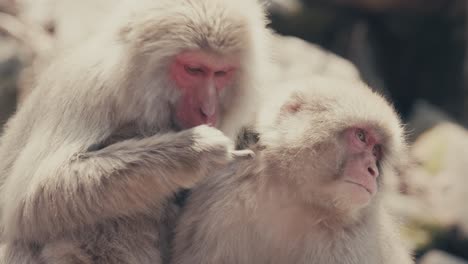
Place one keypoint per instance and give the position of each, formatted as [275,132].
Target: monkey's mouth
[360,185]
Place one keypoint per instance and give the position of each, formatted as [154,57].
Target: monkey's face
[340,171]
[333,145]
[202,79]
[211,75]
[200,58]
[359,153]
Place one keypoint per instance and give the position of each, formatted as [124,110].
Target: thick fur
[272,210]
[90,161]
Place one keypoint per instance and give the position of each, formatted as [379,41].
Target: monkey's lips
[186,120]
[369,186]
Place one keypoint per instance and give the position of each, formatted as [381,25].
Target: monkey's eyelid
[193,69]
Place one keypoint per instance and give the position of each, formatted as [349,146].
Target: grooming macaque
[120,123]
[313,192]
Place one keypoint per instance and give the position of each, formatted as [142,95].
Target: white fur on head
[152,32]
[325,108]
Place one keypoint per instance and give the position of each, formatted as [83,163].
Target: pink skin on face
[364,152]
[200,77]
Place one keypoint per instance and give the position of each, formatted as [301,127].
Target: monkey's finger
[243,154]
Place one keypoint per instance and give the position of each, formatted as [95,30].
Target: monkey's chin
[364,188]
[358,194]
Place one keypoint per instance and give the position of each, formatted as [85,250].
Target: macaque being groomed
[313,193]
[118,124]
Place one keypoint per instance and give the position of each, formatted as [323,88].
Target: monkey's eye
[193,70]
[220,73]
[361,135]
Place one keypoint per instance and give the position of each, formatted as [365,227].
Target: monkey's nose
[208,110]
[209,101]
[373,170]
[208,117]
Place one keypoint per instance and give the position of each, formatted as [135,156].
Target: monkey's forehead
[346,100]
[210,24]
[330,105]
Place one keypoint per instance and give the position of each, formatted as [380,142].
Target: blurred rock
[433,195]
[441,179]
[439,257]
[296,59]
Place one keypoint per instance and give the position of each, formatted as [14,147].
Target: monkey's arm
[69,190]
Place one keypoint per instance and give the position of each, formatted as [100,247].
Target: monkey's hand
[215,149]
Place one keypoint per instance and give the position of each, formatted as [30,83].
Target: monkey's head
[200,58]
[333,142]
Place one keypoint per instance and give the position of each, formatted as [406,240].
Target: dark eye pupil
[220,73]
[361,136]
[193,70]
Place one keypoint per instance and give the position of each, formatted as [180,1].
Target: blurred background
[412,51]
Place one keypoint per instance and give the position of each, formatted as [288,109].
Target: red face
[201,77]
[363,150]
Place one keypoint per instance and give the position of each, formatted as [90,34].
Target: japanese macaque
[312,194]
[116,126]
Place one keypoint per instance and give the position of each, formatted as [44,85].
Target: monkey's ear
[293,105]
